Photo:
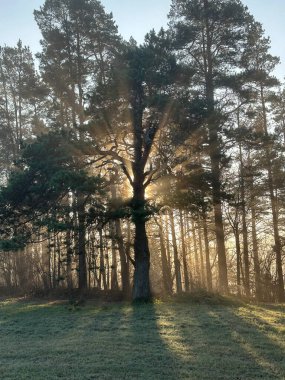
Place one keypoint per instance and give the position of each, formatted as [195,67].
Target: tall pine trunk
[244,222]
[114,268]
[82,270]
[166,272]
[125,275]
[141,286]
[184,253]
[175,254]
[125,270]
[257,276]
[102,275]
[196,257]
[201,251]
[215,157]
[207,253]
[274,209]
[68,260]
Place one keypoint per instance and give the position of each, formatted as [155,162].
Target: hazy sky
[136,18]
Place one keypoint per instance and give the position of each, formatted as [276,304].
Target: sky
[135,18]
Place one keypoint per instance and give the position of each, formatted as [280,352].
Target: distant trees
[22,96]
[158,166]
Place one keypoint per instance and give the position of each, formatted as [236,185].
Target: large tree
[79,40]
[21,99]
[259,65]
[209,38]
[129,111]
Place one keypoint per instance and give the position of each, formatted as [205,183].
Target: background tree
[79,40]
[21,101]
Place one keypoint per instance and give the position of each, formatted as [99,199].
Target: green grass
[173,340]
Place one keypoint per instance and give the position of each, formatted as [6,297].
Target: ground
[163,340]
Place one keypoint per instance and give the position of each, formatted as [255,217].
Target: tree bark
[68,260]
[102,275]
[238,258]
[258,289]
[196,256]
[274,210]
[244,222]
[141,286]
[215,158]
[184,253]
[125,275]
[175,254]
[82,271]
[202,266]
[207,253]
[114,271]
[166,272]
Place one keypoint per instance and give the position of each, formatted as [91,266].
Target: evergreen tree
[36,199]
[79,40]
[209,37]
[21,99]
[129,111]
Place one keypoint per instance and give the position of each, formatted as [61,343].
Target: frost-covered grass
[173,340]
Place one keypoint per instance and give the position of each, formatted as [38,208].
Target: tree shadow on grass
[48,341]
[225,345]
[45,341]
[153,341]
[150,356]
[183,342]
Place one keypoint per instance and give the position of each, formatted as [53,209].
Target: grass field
[48,340]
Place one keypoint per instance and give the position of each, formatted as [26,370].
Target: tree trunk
[274,210]
[167,242]
[184,257]
[102,275]
[175,254]
[219,230]
[207,252]
[196,257]
[68,260]
[215,157]
[114,273]
[82,272]
[189,249]
[125,272]
[125,275]
[238,258]
[166,272]
[141,286]
[277,248]
[244,223]
[258,290]
[201,254]
[59,261]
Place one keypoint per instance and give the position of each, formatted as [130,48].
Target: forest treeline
[141,169]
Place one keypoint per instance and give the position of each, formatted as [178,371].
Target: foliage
[49,170]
